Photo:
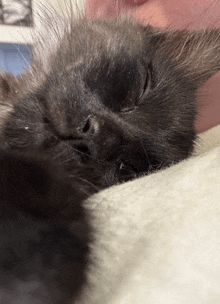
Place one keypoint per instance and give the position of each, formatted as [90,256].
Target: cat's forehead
[89,43]
[105,58]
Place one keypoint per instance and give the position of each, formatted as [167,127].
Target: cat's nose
[101,135]
[91,126]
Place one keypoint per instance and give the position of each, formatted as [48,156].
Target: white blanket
[158,237]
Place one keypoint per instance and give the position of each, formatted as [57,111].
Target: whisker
[86,181]
[145,152]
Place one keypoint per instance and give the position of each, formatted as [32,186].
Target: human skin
[172,14]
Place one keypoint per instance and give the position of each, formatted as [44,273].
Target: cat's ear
[197,53]
[4,87]
[9,87]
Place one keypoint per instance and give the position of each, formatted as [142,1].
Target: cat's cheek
[26,136]
[63,152]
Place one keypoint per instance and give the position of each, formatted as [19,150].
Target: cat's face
[113,97]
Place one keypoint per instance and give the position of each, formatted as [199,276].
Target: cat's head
[117,96]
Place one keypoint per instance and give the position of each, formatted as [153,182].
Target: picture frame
[16,41]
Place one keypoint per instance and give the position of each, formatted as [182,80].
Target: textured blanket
[158,237]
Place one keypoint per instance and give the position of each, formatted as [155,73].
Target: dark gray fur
[113,101]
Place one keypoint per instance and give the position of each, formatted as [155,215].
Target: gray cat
[112,101]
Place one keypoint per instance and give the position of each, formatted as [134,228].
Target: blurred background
[18,19]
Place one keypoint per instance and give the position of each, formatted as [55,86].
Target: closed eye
[128,109]
[145,88]
[147,83]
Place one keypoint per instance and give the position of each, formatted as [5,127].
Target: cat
[112,101]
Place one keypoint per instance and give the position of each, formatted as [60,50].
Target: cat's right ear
[197,53]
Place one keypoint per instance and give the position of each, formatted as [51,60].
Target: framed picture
[18,20]
[16,28]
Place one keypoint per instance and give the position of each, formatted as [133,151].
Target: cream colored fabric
[208,140]
[157,238]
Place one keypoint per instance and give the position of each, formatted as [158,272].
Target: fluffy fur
[107,102]
[43,232]
[101,101]
[158,237]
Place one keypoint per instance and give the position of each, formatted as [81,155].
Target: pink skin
[193,14]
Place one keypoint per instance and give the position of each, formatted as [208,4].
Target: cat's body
[43,237]
[114,101]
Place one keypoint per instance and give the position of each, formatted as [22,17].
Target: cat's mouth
[123,169]
[126,171]
[82,151]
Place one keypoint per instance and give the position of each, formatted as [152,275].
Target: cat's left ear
[9,88]
[197,53]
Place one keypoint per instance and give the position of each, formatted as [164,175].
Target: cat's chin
[117,173]
[110,172]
